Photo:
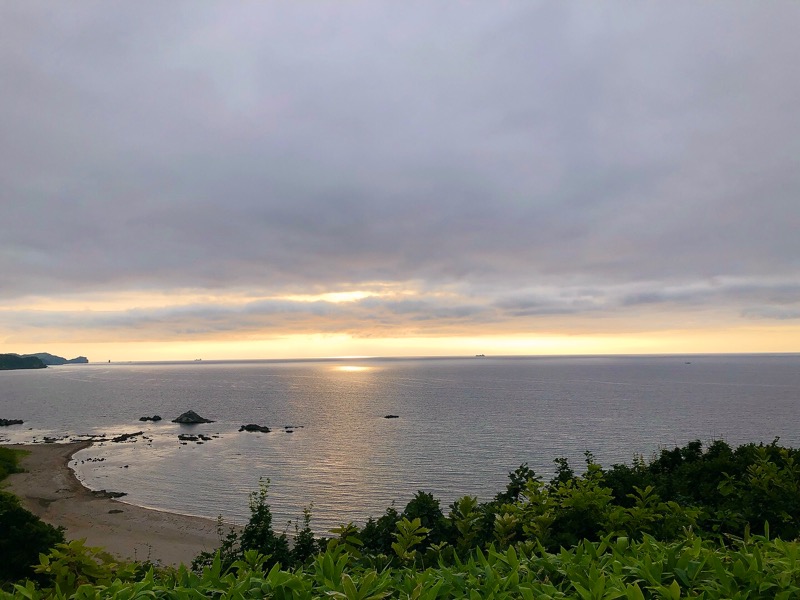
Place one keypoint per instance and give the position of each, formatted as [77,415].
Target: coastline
[49,489]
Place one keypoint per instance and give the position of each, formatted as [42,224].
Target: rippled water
[463,423]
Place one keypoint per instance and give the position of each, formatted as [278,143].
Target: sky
[226,180]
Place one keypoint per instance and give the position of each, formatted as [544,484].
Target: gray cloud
[424,315]
[772,312]
[616,156]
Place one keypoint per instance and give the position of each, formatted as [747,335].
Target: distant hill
[52,359]
[15,361]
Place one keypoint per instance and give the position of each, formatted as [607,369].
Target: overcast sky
[237,172]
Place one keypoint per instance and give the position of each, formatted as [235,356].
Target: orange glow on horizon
[752,339]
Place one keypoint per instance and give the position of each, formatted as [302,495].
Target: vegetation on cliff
[23,536]
[52,359]
[40,360]
[15,361]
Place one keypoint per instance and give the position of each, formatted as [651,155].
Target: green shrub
[257,536]
[9,462]
[23,536]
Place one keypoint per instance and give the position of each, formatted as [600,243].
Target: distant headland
[40,360]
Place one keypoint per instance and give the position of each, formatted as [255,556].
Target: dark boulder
[7,422]
[254,427]
[190,418]
[154,418]
[107,494]
[391,417]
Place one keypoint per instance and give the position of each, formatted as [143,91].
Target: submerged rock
[254,427]
[391,417]
[154,418]
[190,418]
[7,422]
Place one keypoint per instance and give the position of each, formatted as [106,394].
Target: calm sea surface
[463,423]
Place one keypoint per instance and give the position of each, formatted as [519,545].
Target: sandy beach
[50,490]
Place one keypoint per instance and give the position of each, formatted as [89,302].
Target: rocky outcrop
[154,418]
[191,418]
[391,417]
[254,427]
[7,422]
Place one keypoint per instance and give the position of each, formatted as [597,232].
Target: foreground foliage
[612,568]
[688,523]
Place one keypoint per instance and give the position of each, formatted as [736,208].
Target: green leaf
[634,592]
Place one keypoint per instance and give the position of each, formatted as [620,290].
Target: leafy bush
[71,565]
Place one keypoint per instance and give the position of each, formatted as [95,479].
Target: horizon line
[435,357]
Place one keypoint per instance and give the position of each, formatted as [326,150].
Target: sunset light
[243,214]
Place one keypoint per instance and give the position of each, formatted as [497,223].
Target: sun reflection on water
[351,368]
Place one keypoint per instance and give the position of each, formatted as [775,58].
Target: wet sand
[50,490]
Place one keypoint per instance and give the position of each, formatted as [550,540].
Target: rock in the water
[154,418]
[254,427]
[190,418]
[391,417]
[7,422]
[126,436]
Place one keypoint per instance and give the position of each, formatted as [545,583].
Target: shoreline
[50,489]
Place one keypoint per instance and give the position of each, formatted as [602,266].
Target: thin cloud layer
[497,167]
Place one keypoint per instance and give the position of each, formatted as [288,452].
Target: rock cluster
[154,418]
[186,437]
[7,422]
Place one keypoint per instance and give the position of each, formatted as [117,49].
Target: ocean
[462,424]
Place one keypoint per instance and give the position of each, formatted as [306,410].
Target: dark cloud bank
[529,158]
